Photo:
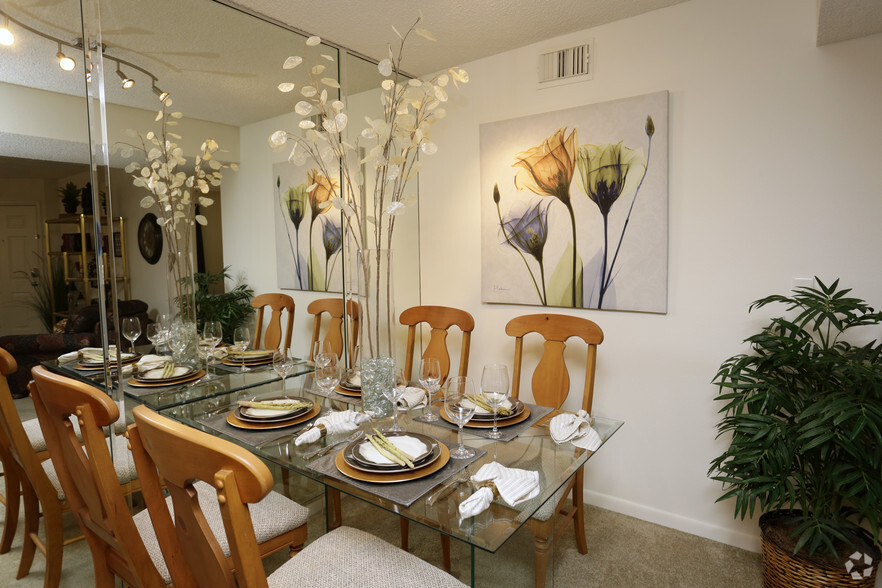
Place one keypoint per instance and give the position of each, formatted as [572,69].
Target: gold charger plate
[348,392]
[350,472]
[141,384]
[238,362]
[473,424]
[235,421]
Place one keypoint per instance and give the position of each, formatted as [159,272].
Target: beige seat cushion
[271,517]
[122,463]
[347,557]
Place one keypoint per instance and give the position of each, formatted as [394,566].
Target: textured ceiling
[841,20]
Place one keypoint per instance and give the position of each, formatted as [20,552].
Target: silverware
[326,450]
[288,437]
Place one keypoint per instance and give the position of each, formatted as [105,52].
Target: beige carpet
[622,551]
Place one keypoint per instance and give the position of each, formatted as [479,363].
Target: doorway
[21,269]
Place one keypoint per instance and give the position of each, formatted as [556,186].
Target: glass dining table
[429,499]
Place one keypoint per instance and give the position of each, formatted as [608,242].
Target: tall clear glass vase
[376,328]
[182,306]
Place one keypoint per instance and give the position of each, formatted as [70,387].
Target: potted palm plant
[70,197]
[804,411]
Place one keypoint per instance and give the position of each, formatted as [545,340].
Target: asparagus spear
[480,402]
[168,370]
[391,448]
[293,405]
[384,452]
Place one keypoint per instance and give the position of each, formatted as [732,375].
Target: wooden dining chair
[440,319]
[123,545]
[550,387]
[333,307]
[343,557]
[271,338]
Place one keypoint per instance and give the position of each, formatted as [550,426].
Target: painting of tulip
[574,207]
[308,230]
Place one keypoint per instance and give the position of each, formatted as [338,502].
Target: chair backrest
[333,307]
[273,335]
[239,477]
[90,483]
[551,380]
[440,319]
[8,366]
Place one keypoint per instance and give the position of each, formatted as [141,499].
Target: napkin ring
[489,484]
[323,430]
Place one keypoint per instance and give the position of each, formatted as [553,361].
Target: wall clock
[150,238]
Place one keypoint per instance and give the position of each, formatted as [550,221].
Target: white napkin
[514,486]
[413,397]
[478,410]
[409,445]
[575,428]
[336,422]
[68,356]
[219,352]
[152,362]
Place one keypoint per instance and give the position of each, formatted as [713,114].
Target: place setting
[259,420]
[92,358]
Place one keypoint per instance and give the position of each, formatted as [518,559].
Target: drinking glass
[156,335]
[178,339]
[457,389]
[131,328]
[241,339]
[283,364]
[494,391]
[430,379]
[165,325]
[393,394]
[321,353]
[204,349]
[212,333]
[327,377]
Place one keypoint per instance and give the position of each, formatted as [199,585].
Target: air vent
[572,64]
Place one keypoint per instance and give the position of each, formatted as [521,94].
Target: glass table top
[533,449]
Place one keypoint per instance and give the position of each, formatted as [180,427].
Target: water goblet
[430,379]
[131,328]
[283,365]
[178,339]
[494,391]
[457,390]
[212,332]
[156,335]
[204,349]
[241,339]
[393,394]
[321,353]
[327,377]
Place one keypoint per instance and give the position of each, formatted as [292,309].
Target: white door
[20,253]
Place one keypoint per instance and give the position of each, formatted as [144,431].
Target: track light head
[64,62]
[127,82]
[6,36]
[162,95]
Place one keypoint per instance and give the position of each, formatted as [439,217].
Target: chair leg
[54,545]
[579,518]
[31,527]
[445,552]
[13,504]
[335,516]
[540,559]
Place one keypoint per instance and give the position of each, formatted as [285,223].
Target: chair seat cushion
[35,434]
[347,557]
[271,517]
[122,463]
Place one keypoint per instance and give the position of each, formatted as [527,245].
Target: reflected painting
[575,207]
[309,232]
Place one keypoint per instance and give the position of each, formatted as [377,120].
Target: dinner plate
[348,391]
[235,421]
[238,362]
[148,384]
[489,424]
[99,365]
[254,355]
[181,372]
[517,408]
[391,478]
[264,415]
[355,458]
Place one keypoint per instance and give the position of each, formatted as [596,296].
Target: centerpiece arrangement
[389,147]
[174,193]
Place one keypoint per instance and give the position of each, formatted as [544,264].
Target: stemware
[156,335]
[321,353]
[212,333]
[204,349]
[456,390]
[327,376]
[241,339]
[393,394]
[430,379]
[178,339]
[131,328]
[283,364]
[494,391]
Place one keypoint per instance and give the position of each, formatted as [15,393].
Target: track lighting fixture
[64,62]
[127,82]
[162,95]
[6,36]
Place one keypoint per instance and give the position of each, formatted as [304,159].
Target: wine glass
[212,333]
[283,364]
[494,391]
[393,394]
[131,328]
[430,379]
[321,353]
[165,325]
[178,339]
[241,339]
[156,335]
[327,376]
[204,349]
[456,390]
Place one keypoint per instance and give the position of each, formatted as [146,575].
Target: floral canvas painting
[309,233]
[574,207]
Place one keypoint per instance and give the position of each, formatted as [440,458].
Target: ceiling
[222,66]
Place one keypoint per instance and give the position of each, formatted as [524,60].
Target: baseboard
[750,542]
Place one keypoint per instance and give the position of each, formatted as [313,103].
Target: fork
[326,450]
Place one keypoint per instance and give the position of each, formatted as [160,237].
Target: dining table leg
[334,509]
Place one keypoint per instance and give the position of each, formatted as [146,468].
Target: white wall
[774,151]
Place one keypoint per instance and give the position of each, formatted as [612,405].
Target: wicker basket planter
[782,569]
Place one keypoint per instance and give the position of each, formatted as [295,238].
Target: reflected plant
[293,204]
[332,239]
[525,229]
[606,172]
[547,170]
